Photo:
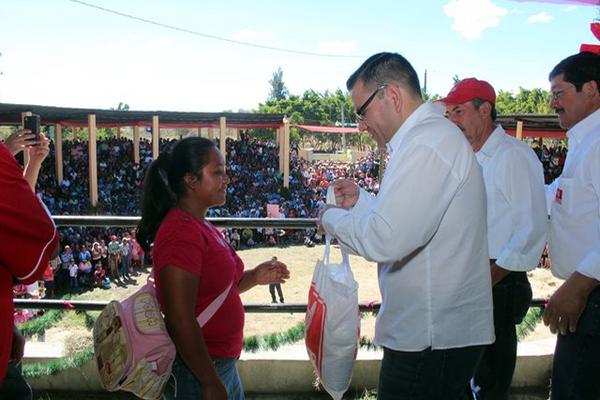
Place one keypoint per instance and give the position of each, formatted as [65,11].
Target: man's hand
[566,305]
[498,273]
[19,141]
[346,193]
[326,207]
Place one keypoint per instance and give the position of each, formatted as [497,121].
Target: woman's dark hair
[163,183]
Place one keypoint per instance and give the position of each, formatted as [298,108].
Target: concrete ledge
[289,371]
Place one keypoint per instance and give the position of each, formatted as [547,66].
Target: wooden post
[155,136]
[211,133]
[93,167]
[286,153]
[280,140]
[519,133]
[118,128]
[25,152]
[236,134]
[223,132]
[136,144]
[58,156]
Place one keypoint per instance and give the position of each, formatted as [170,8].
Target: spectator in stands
[28,240]
[192,265]
[516,224]
[114,257]
[574,242]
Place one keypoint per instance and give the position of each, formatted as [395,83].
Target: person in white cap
[517,224]
[426,230]
[574,240]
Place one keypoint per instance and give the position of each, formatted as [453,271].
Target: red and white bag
[133,349]
[333,323]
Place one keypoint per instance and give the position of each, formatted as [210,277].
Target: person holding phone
[28,240]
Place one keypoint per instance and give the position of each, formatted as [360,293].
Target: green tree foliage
[526,101]
[278,89]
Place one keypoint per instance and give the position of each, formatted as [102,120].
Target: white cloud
[472,17]
[570,8]
[252,36]
[338,47]
[539,17]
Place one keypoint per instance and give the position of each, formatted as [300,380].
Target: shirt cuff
[330,219]
[590,266]
[512,261]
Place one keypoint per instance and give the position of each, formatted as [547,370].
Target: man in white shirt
[426,231]
[574,240]
[517,224]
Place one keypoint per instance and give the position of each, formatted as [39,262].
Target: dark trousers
[428,374]
[15,387]
[576,369]
[512,297]
[272,288]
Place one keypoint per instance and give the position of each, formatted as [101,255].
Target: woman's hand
[214,391]
[271,272]
[19,140]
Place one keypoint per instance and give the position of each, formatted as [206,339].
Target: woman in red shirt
[193,264]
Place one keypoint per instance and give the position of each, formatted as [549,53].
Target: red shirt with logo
[27,239]
[198,247]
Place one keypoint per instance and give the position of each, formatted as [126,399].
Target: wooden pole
[211,133]
[519,133]
[280,141]
[93,166]
[223,137]
[118,128]
[58,157]
[155,136]
[286,153]
[136,144]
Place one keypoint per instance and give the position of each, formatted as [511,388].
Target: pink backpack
[133,349]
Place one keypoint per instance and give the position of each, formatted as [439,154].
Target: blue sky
[60,52]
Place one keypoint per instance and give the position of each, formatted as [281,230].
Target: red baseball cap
[469,89]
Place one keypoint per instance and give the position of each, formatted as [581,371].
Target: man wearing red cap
[574,240]
[28,239]
[516,224]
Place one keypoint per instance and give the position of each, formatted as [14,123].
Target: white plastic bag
[333,323]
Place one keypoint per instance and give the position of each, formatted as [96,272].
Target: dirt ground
[301,261]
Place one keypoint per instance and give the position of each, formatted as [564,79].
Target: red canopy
[327,129]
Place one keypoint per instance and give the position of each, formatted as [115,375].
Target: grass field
[301,261]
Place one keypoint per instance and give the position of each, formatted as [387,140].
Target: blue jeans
[428,374]
[493,377]
[183,384]
[576,369]
[15,387]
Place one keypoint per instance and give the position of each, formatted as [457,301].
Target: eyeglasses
[556,95]
[360,112]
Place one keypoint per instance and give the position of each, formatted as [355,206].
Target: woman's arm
[179,291]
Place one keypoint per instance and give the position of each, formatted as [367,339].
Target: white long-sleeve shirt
[426,229]
[574,239]
[517,222]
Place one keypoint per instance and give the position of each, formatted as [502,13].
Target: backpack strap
[213,307]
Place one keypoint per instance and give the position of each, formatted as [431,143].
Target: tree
[526,101]
[278,89]
[121,107]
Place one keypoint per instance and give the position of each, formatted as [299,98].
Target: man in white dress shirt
[517,224]
[426,231]
[574,241]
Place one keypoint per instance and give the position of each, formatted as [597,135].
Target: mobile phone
[32,123]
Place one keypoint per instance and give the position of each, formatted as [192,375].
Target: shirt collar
[413,119]
[492,143]
[583,127]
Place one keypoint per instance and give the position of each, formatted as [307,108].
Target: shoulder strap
[213,307]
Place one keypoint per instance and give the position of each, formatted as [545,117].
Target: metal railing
[116,221]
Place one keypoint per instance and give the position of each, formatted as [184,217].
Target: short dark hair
[477,102]
[579,69]
[382,68]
